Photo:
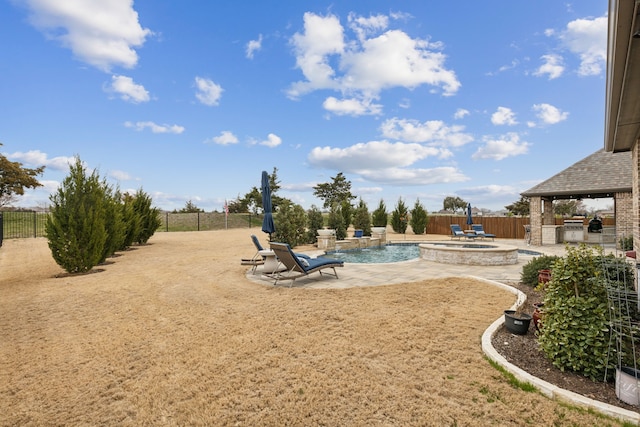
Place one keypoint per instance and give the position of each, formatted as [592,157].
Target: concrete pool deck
[358,275]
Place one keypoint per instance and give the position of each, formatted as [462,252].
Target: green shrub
[131,221]
[149,217]
[290,221]
[576,335]
[76,228]
[379,216]
[419,218]
[400,217]
[529,275]
[626,243]
[315,222]
[362,219]
[347,213]
[336,222]
[114,222]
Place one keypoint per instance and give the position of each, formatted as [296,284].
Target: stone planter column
[379,233]
[326,240]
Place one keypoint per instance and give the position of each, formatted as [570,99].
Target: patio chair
[259,259]
[457,233]
[479,230]
[300,267]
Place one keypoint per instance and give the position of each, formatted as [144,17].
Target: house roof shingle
[599,175]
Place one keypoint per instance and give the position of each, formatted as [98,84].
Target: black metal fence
[21,224]
[202,221]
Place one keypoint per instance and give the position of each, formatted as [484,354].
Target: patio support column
[535,218]
[548,217]
[623,213]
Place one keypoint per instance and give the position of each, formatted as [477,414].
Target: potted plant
[516,321]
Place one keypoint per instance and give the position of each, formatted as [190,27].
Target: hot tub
[469,253]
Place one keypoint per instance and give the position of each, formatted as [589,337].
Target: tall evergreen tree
[362,219]
[400,217]
[131,221]
[336,222]
[315,222]
[419,218]
[149,216]
[114,222]
[76,227]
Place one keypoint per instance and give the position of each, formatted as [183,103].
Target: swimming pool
[392,252]
[378,254]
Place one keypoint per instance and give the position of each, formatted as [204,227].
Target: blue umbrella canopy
[267,222]
[469,216]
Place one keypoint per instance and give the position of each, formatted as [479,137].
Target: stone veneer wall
[624,215]
[535,218]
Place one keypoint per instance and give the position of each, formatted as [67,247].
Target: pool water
[378,254]
[392,252]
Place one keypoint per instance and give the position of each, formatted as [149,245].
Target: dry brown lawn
[172,333]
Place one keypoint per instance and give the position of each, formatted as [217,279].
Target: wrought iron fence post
[1,229]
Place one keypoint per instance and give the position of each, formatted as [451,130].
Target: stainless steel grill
[573,230]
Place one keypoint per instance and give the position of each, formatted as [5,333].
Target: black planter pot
[516,323]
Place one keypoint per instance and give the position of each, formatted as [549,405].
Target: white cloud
[155,128]
[351,107]
[36,158]
[498,195]
[461,113]
[367,26]
[504,116]
[508,145]
[552,67]
[549,114]
[370,155]
[208,92]
[103,34]
[586,38]
[401,176]
[225,138]
[433,132]
[364,66]
[128,90]
[253,46]
[272,141]
[120,175]
[323,36]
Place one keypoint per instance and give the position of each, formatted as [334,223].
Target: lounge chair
[255,260]
[298,267]
[479,230]
[457,233]
[259,247]
[259,259]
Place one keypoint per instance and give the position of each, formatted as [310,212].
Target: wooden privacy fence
[503,227]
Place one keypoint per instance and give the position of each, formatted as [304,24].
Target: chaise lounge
[457,233]
[479,230]
[259,257]
[297,266]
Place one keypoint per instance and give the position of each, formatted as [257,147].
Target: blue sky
[412,99]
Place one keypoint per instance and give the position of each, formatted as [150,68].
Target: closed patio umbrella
[267,222]
[469,216]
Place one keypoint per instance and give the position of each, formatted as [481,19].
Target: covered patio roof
[600,175]
[622,121]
